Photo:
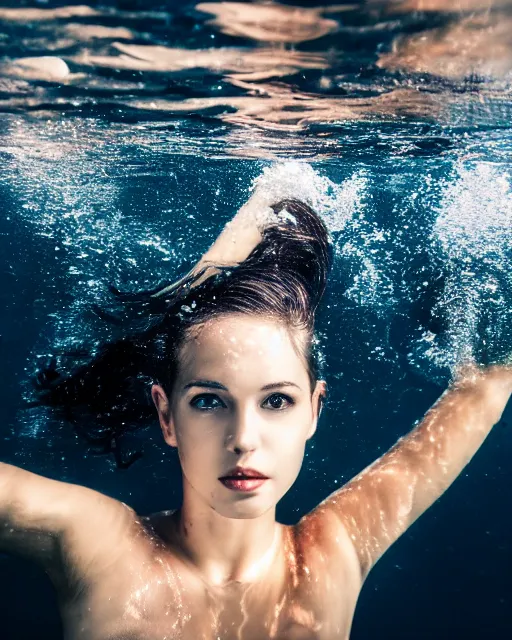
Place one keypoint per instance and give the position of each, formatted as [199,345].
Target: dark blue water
[124,155]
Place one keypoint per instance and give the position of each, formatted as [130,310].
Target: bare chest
[155,598]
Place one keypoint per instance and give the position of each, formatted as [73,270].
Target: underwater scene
[131,132]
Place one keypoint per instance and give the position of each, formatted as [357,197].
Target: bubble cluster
[472,235]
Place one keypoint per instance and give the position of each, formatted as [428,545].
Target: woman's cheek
[290,450]
[197,442]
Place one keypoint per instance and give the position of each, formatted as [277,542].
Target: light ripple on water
[263,81]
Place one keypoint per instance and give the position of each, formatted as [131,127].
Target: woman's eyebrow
[274,385]
[211,384]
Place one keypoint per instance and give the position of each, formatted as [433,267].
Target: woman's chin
[243,509]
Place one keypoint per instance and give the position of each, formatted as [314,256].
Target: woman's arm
[236,241]
[32,517]
[71,531]
[379,504]
[241,234]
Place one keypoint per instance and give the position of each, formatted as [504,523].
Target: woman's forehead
[229,341]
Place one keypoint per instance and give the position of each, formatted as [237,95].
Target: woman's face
[242,398]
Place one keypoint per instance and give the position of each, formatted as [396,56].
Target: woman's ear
[317,399]
[164,414]
[321,390]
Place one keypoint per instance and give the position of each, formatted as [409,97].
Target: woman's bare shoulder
[324,545]
[98,530]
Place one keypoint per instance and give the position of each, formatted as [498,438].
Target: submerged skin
[222,567]
[242,424]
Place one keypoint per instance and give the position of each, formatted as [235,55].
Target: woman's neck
[226,550]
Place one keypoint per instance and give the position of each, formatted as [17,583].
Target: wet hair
[283,279]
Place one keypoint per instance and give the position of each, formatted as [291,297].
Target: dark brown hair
[283,278]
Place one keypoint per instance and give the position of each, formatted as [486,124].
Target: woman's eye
[206,402]
[278,401]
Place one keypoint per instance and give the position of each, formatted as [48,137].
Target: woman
[236,387]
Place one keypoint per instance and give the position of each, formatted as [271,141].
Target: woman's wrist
[489,386]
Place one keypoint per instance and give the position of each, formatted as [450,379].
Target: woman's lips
[243,484]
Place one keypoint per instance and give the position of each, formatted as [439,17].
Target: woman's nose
[242,435]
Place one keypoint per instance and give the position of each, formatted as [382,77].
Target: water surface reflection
[273,67]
